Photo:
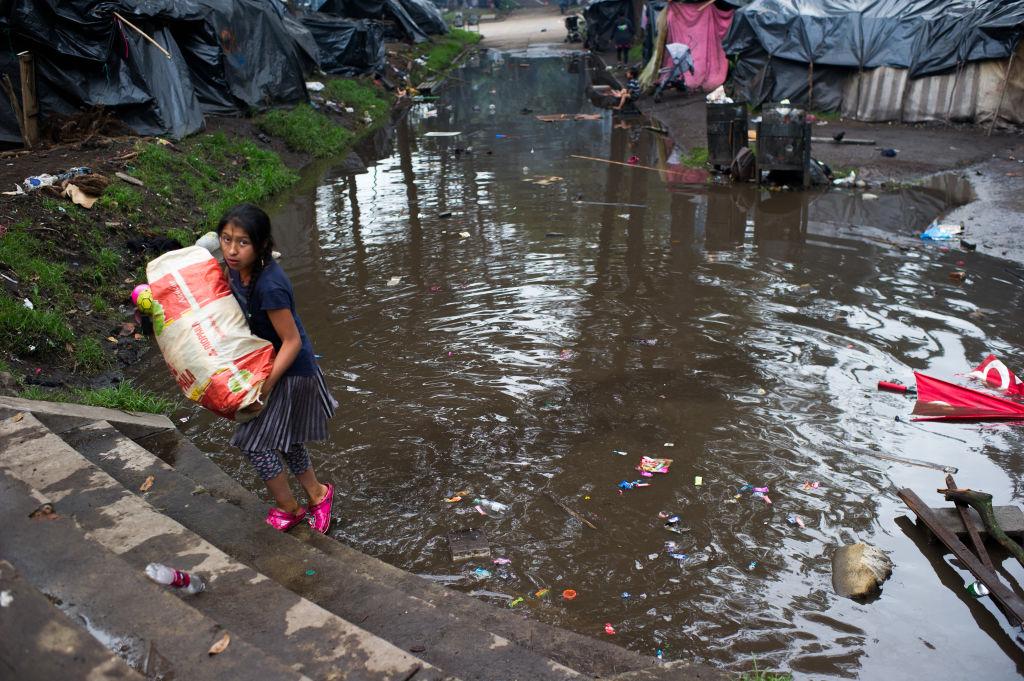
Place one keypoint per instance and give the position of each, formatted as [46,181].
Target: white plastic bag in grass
[203,334]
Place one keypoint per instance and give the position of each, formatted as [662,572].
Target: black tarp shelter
[786,47]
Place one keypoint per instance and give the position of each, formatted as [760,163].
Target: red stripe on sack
[224,394]
[203,280]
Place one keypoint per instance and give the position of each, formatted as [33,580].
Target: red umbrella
[939,400]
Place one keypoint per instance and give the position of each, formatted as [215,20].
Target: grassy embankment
[65,313]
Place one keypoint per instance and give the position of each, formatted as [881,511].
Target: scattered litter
[515,601]
[445,214]
[394,281]
[6,598]
[677,556]
[669,444]
[490,505]
[890,153]
[718,96]
[480,510]
[609,629]
[438,133]
[452,500]
[179,579]
[481,573]
[638,565]
[698,481]
[310,573]
[26,303]
[221,645]
[619,452]
[465,235]
[869,197]
[625,594]
[812,485]
[79,197]
[501,561]
[630,484]
[44,512]
[148,484]
[957,276]
[795,520]
[671,520]
[942,232]
[468,544]
[977,589]
[659,653]
[541,593]
[569,594]
[649,465]
[751,565]
[314,86]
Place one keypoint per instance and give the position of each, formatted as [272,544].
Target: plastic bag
[203,335]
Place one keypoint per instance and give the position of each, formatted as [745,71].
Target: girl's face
[239,251]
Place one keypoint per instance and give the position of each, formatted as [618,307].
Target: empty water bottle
[179,579]
[495,506]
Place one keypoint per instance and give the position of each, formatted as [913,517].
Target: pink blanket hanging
[702,28]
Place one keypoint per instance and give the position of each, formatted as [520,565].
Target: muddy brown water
[569,308]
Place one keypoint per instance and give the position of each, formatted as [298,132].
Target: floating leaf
[147,484]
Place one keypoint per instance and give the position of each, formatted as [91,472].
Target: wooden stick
[972,531]
[982,503]
[619,163]
[144,35]
[846,140]
[1002,593]
[9,89]
[1002,93]
[29,101]
[560,504]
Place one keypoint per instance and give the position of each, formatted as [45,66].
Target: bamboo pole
[29,101]
[144,35]
[1002,93]
[617,163]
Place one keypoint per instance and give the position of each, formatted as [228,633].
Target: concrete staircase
[296,605]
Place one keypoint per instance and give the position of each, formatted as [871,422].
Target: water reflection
[497,315]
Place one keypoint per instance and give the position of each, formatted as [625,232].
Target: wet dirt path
[551,312]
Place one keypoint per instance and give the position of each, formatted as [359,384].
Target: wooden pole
[29,101]
[617,163]
[1002,93]
[144,35]
[972,531]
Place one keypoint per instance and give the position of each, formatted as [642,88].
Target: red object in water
[609,629]
[939,400]
[893,387]
[633,160]
[996,374]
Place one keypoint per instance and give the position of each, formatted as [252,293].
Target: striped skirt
[297,411]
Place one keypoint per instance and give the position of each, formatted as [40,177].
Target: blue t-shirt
[273,291]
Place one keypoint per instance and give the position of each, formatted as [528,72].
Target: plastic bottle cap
[569,594]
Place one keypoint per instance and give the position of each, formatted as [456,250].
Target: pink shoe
[282,521]
[320,514]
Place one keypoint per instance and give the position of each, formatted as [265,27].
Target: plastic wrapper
[203,335]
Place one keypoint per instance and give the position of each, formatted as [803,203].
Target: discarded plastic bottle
[179,579]
[495,506]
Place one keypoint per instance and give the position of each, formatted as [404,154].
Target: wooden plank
[1010,518]
[29,101]
[1002,593]
[972,530]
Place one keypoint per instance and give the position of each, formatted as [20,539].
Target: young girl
[297,400]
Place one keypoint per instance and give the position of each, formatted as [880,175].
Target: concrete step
[155,631]
[38,642]
[447,628]
[286,626]
[456,644]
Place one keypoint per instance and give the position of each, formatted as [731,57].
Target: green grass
[362,96]
[29,332]
[636,53]
[90,356]
[120,197]
[697,158]
[261,174]
[441,52]
[306,130]
[124,396]
[99,304]
[765,676]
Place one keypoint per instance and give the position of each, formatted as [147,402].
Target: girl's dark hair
[256,224]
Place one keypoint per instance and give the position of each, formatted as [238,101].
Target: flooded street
[497,316]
